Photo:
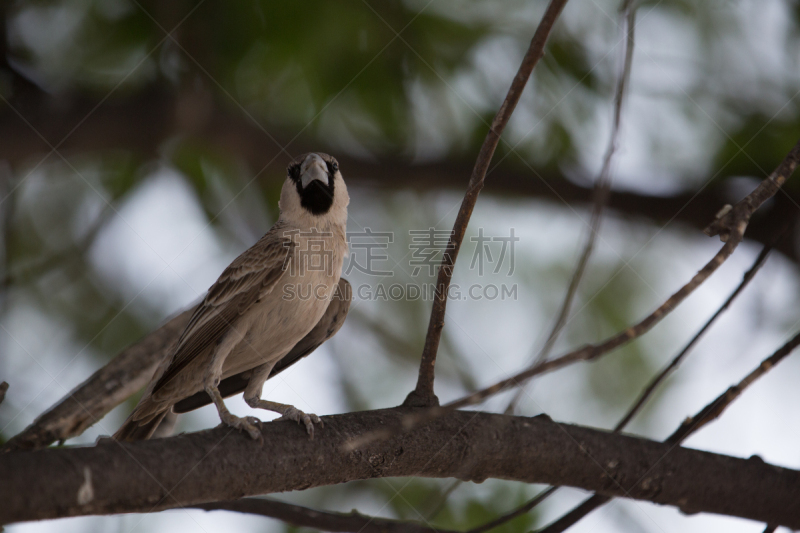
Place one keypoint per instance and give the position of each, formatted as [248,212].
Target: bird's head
[314,188]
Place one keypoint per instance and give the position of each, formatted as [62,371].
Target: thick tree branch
[223,464]
[104,390]
[423,394]
[690,425]
[299,516]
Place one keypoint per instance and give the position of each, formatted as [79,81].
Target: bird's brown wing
[250,277]
[328,325]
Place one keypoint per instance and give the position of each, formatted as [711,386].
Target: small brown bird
[272,306]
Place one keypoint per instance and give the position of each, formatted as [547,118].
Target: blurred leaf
[757,146]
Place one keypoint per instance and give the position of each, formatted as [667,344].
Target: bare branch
[587,353]
[105,389]
[299,516]
[602,187]
[519,511]
[667,370]
[593,351]
[571,518]
[714,409]
[707,414]
[423,394]
[601,192]
[730,226]
[437,508]
[223,464]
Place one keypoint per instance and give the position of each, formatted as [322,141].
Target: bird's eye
[294,171]
[335,166]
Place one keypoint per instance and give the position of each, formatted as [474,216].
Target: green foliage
[754,146]
[413,499]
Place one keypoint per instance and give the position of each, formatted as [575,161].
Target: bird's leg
[252,395]
[212,379]
[247,423]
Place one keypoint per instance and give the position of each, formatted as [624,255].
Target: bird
[274,304]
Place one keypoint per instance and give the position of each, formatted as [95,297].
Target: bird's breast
[291,309]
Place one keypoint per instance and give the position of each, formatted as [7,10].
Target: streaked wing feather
[248,278]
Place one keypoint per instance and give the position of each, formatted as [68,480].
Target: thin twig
[521,510]
[399,345]
[299,516]
[443,499]
[656,381]
[572,517]
[714,409]
[602,188]
[730,224]
[690,425]
[7,203]
[422,395]
[600,198]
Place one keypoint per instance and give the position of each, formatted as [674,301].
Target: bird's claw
[247,423]
[293,413]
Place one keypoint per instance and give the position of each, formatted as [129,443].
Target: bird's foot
[247,423]
[293,413]
[287,412]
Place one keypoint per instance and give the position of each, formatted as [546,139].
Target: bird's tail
[141,429]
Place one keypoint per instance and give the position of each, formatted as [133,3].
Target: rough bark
[222,464]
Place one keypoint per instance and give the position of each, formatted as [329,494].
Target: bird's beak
[313,168]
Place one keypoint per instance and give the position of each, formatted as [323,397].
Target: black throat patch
[317,198]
